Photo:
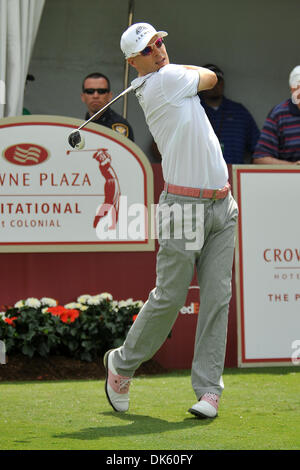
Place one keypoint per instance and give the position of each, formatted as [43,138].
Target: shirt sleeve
[179,83]
[268,142]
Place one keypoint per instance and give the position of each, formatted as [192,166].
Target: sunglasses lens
[148,50]
[91,91]
[159,42]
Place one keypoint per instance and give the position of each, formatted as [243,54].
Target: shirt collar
[222,105]
[106,114]
[139,81]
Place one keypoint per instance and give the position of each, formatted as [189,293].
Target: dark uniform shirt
[115,122]
[235,129]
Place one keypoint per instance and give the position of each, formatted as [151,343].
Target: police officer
[96,94]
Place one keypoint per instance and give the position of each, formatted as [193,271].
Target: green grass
[259,409]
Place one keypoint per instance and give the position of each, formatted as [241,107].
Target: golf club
[75,139]
[86,150]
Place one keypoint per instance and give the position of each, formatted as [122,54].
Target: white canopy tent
[19,22]
[75,38]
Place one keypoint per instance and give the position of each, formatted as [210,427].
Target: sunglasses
[149,49]
[100,91]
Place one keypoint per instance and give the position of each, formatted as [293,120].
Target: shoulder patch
[121,128]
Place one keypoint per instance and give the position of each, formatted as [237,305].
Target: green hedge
[84,329]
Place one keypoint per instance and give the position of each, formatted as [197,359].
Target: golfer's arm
[207,78]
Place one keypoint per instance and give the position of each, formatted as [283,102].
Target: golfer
[196,180]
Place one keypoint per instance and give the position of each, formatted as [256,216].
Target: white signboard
[268,264]
[55,198]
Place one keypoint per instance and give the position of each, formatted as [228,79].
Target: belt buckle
[214,195]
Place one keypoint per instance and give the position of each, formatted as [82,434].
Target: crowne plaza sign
[54,198]
[268,264]
[279,255]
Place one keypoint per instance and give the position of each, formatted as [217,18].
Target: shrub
[84,329]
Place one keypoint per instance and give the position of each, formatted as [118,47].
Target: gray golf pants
[175,270]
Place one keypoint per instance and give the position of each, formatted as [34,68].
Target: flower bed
[84,329]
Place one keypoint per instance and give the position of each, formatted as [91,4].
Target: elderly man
[197,194]
[279,141]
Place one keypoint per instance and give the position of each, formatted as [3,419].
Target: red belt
[197,192]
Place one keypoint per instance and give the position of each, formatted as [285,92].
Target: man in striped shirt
[279,141]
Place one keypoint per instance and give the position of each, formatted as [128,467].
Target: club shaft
[126,68]
[81,150]
[102,110]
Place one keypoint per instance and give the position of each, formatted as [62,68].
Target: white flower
[32,302]
[48,301]
[82,299]
[106,296]
[94,300]
[73,305]
[45,310]
[20,304]
[2,315]
[127,303]
[130,303]
[83,307]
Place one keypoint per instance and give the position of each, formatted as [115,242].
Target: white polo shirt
[190,150]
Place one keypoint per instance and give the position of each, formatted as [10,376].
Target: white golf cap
[294,80]
[136,38]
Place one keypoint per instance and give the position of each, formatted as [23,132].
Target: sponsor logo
[190,309]
[26,154]
[139,29]
[278,255]
[284,261]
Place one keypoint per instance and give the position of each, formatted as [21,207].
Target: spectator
[231,121]
[279,141]
[95,94]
